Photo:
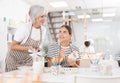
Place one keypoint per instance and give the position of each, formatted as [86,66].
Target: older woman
[29,36]
[64,52]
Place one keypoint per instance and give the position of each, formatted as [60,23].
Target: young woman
[63,52]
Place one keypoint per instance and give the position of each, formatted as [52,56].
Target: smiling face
[37,14]
[40,20]
[64,35]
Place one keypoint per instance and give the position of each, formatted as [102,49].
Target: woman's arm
[73,63]
[78,62]
[16,46]
[74,57]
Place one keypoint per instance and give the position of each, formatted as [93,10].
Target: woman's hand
[62,52]
[57,59]
[49,61]
[37,49]
[34,49]
[73,62]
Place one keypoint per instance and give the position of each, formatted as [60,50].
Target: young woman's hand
[72,62]
[62,52]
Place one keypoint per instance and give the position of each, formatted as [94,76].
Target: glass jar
[38,63]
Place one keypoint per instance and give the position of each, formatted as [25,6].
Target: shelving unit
[10,33]
[55,21]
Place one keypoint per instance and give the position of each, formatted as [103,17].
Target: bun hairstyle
[87,43]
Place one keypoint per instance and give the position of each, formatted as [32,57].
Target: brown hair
[87,43]
[68,28]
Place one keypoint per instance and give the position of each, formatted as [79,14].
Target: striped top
[54,50]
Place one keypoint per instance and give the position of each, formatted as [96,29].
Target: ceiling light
[97,20]
[59,4]
[109,15]
[83,16]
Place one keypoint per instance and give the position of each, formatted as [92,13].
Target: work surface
[65,75]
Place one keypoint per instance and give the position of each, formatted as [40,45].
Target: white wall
[106,35]
[13,9]
[16,11]
[3,44]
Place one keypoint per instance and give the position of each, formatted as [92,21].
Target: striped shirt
[54,50]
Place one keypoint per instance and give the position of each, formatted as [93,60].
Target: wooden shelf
[55,22]
[54,28]
[54,33]
[55,16]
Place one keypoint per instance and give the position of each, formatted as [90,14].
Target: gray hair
[35,11]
